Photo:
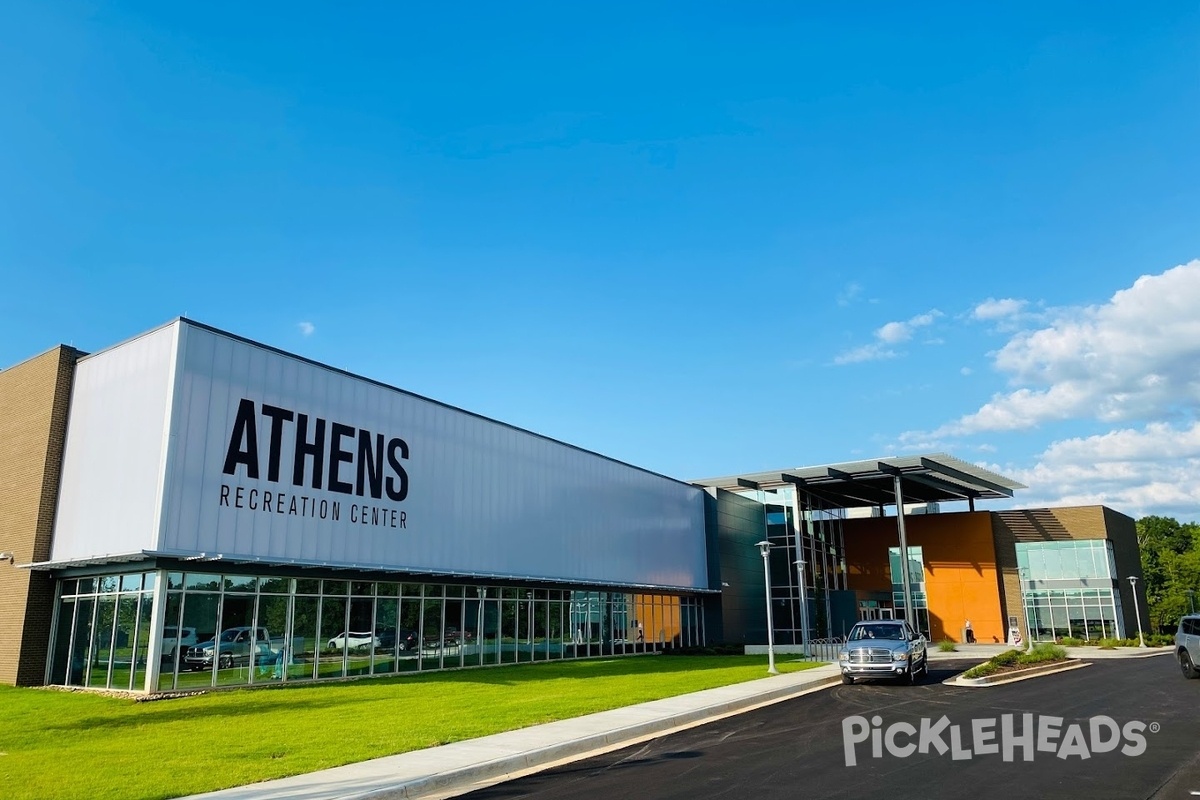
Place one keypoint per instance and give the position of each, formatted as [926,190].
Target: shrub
[946,646]
[1071,641]
[1043,651]
[1007,658]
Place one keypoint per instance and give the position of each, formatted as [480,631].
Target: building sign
[331,458]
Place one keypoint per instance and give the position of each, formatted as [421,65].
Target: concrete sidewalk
[455,768]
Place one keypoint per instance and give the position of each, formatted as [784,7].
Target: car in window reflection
[353,640]
[174,638]
[232,647]
[403,638]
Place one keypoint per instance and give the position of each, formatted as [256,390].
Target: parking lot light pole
[1137,614]
[764,547]
[803,606]
[1024,574]
[1191,603]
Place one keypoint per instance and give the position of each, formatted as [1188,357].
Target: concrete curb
[1036,671]
[477,776]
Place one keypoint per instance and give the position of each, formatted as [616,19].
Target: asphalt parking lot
[796,748]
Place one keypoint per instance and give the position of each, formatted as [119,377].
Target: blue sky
[728,239]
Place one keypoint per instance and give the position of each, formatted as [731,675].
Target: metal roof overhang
[933,478]
[375,569]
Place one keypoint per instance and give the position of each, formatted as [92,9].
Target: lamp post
[1024,573]
[803,606]
[1137,614]
[764,547]
[1191,605]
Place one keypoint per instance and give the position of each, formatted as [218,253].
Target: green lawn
[75,745]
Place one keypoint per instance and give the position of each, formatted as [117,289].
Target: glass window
[335,588]
[275,586]
[81,645]
[107,583]
[303,654]
[131,583]
[269,654]
[174,580]
[362,588]
[59,659]
[198,582]
[332,637]
[387,589]
[241,583]
[308,586]
[102,641]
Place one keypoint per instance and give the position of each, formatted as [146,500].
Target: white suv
[174,638]
[1187,645]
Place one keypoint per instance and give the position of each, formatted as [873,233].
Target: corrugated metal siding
[484,497]
[112,462]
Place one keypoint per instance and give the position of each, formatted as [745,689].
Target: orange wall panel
[960,568]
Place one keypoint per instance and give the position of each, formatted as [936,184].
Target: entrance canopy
[934,478]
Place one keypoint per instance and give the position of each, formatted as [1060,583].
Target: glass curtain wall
[819,544]
[916,575]
[102,631]
[1068,588]
[235,630]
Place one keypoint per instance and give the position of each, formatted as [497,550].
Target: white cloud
[965,371]
[890,333]
[868,352]
[1132,358]
[992,309]
[306,328]
[1151,470]
[849,294]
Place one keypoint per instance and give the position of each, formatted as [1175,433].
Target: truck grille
[871,655]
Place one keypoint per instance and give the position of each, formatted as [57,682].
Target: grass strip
[62,745]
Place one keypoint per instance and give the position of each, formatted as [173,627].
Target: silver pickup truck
[232,647]
[883,649]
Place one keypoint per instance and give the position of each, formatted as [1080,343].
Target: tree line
[1170,569]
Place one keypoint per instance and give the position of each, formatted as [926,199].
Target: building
[1049,572]
[191,509]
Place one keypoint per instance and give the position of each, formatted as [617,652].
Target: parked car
[353,639]
[174,638]
[232,647]
[390,637]
[1187,645]
[883,649]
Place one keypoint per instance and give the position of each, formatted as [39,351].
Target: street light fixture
[764,547]
[1137,614]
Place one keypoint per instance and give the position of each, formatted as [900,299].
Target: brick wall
[34,397]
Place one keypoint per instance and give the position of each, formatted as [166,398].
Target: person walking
[970,633]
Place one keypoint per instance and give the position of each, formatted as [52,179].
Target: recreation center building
[189,509]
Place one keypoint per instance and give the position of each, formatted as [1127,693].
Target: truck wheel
[848,679]
[225,661]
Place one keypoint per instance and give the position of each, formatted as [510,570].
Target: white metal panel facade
[116,439]
[441,490]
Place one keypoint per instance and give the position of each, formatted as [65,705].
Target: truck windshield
[893,632]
